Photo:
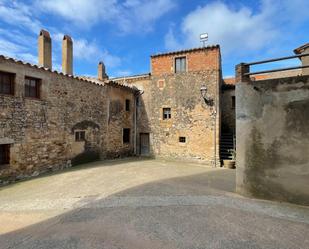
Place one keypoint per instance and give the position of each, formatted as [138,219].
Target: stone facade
[78,119]
[191,118]
[41,132]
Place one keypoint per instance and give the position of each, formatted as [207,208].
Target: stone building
[173,119]
[51,120]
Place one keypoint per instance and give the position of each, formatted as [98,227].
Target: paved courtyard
[133,204]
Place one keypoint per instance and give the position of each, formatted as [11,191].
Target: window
[233,102]
[7,83]
[180,64]
[4,154]
[32,87]
[126,136]
[167,113]
[80,136]
[127,105]
[182,139]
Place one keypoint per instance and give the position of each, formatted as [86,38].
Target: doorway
[144,144]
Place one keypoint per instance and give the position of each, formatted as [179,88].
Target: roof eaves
[186,51]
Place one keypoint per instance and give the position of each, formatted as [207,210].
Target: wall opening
[126,136]
[80,136]
[4,154]
[127,105]
[182,139]
[167,114]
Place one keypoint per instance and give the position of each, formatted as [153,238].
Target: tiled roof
[186,51]
[138,76]
[82,78]
[110,82]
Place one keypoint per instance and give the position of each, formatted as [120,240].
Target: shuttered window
[180,64]
[7,83]
[80,136]
[167,114]
[32,87]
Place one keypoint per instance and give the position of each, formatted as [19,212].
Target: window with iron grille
[7,83]
[80,136]
[180,64]
[4,154]
[127,105]
[167,114]
[126,136]
[32,87]
[182,139]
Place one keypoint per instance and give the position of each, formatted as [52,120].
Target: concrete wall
[272,128]
[41,131]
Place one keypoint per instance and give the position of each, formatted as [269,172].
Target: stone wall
[272,120]
[42,131]
[191,117]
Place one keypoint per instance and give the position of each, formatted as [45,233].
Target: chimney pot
[101,71]
[45,49]
[67,55]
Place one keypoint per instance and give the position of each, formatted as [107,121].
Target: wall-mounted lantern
[204,93]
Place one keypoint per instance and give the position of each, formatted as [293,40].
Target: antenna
[204,38]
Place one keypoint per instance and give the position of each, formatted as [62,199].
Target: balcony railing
[243,69]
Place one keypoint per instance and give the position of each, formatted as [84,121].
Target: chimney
[45,49]
[67,55]
[101,71]
[304,49]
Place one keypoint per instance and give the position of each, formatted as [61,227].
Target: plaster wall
[272,120]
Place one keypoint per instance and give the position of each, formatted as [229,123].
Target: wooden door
[144,144]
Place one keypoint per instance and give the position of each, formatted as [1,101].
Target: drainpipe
[139,93]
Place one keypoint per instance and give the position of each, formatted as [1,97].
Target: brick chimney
[304,49]
[101,71]
[67,55]
[45,49]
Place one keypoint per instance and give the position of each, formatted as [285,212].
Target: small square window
[5,154]
[180,64]
[127,105]
[126,136]
[80,136]
[32,87]
[233,102]
[7,83]
[182,139]
[167,114]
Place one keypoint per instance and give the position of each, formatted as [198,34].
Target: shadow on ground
[192,212]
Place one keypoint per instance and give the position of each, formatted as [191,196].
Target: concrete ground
[133,204]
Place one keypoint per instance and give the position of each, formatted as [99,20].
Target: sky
[124,33]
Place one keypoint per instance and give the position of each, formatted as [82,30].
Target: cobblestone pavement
[132,204]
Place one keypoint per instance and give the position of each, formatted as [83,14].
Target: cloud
[81,12]
[128,16]
[239,29]
[89,51]
[15,13]
[16,51]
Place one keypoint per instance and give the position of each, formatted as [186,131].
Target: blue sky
[125,33]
